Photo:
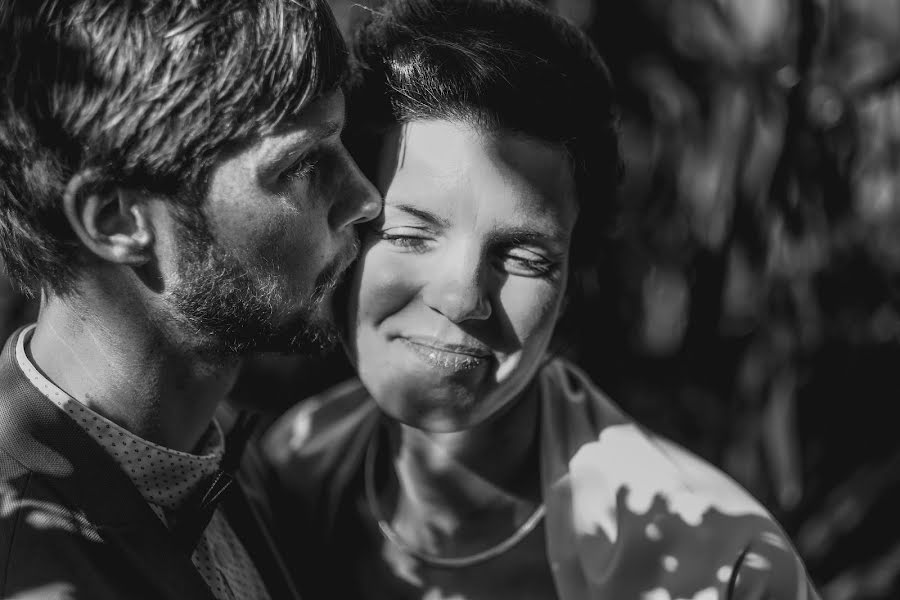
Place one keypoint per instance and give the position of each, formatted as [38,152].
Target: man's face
[256,267]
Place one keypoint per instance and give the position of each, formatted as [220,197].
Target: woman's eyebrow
[424,215]
[528,235]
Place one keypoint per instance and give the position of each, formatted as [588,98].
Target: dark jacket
[72,524]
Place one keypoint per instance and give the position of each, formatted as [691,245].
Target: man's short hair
[146,93]
[499,65]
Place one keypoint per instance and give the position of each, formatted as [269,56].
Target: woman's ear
[111,222]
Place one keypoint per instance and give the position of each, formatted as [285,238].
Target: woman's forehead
[428,157]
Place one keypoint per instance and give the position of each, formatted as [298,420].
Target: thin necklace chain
[454,562]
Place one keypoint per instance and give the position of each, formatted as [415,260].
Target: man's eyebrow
[424,215]
[322,131]
[294,145]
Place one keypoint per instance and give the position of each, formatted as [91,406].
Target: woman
[466,461]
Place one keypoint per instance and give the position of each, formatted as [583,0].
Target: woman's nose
[457,289]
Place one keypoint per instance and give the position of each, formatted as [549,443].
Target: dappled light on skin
[599,468]
[664,533]
[686,560]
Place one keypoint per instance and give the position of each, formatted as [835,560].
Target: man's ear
[111,222]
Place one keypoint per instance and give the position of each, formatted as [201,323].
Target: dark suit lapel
[48,442]
[248,526]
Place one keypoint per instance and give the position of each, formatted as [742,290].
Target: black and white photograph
[449,299]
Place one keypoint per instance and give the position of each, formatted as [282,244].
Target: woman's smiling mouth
[444,356]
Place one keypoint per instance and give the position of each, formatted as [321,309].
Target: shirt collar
[164,477]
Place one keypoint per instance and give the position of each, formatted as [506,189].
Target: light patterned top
[165,478]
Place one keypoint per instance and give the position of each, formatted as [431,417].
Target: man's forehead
[325,108]
[321,119]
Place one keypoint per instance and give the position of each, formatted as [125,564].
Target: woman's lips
[447,357]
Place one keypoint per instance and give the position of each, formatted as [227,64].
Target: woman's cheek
[389,282]
[531,306]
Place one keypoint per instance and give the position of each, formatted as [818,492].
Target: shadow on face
[256,267]
[462,277]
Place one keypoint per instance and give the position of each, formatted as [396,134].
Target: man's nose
[359,201]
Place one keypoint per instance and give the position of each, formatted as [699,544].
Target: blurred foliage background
[753,311]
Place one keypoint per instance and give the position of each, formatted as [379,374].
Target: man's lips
[332,275]
[347,256]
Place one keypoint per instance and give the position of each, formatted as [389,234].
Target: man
[11,306]
[174,186]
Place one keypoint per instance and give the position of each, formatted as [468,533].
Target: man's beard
[239,311]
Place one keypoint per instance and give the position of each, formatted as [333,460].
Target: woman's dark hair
[498,65]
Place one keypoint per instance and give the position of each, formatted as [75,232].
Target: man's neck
[458,492]
[114,360]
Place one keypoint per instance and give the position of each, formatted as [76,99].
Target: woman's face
[461,279]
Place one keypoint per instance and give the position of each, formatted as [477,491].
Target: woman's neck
[459,493]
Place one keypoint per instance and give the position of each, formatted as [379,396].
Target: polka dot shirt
[165,478]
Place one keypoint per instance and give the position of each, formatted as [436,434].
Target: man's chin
[313,334]
[302,334]
[322,315]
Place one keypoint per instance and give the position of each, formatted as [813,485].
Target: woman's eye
[405,237]
[528,264]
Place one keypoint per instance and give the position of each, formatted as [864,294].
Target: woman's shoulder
[631,454]
[321,438]
[630,496]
